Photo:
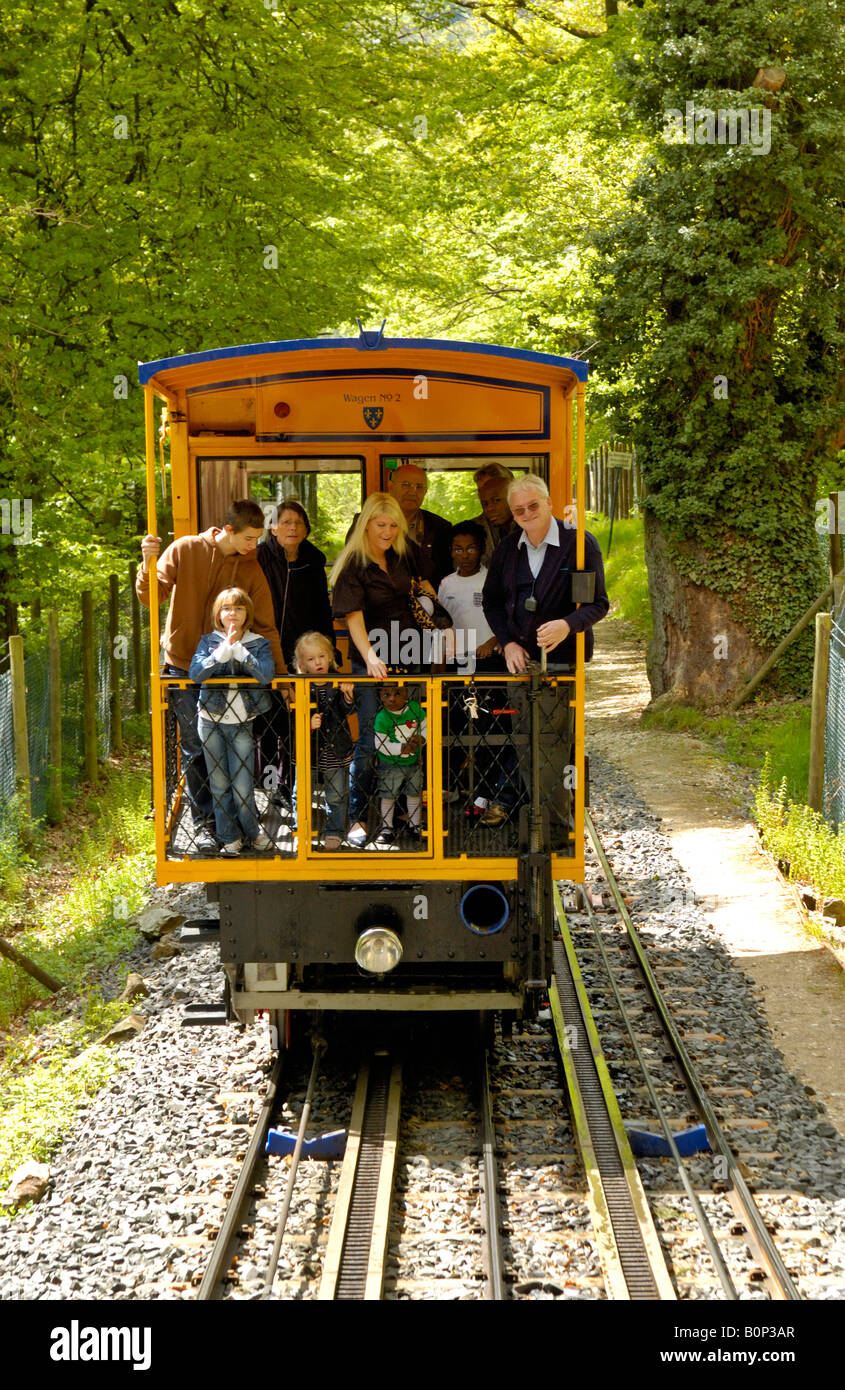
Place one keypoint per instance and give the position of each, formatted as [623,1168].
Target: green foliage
[729,264]
[40,1102]
[794,832]
[437,165]
[52,1064]
[84,925]
[625,572]
[15,858]
[144,217]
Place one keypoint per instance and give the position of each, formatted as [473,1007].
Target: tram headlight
[378,950]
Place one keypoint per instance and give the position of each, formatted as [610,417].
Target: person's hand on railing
[516,658]
[150,547]
[551,634]
[375,666]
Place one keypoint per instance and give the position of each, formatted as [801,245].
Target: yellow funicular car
[462,918]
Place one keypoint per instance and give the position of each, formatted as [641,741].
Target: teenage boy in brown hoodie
[192,572]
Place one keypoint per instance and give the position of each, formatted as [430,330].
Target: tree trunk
[698,653]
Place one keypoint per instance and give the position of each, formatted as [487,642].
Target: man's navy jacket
[509,581]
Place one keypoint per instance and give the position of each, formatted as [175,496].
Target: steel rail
[766,1248]
[632,1260]
[223,1248]
[493,1248]
[709,1236]
[319,1048]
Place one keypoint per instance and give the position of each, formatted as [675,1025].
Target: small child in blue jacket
[225,715]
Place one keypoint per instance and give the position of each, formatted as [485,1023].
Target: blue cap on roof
[147,370]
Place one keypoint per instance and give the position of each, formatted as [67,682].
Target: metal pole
[319,1049]
[613,507]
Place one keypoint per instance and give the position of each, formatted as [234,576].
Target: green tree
[721,310]
[172,176]
[180,176]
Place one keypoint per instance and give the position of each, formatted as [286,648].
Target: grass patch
[625,570]
[779,732]
[39,1104]
[91,876]
[76,894]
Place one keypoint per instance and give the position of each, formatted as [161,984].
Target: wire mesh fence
[132,665]
[240,781]
[7,762]
[833,795]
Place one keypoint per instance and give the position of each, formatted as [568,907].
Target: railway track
[351,1262]
[642,1030]
[615,1034]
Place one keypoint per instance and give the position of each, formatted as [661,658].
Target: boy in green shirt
[400,733]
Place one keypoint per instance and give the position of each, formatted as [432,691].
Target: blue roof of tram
[147,370]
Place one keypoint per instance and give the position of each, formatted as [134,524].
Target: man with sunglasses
[527,601]
[528,591]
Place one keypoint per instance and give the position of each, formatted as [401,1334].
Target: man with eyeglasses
[431,534]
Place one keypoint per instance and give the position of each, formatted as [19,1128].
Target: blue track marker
[281,1141]
[688,1141]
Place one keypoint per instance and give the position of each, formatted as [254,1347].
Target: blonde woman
[372,581]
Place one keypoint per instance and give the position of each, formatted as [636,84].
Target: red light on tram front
[281,408]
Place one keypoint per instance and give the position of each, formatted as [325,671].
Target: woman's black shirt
[382,598]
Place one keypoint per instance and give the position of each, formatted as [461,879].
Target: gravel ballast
[139,1186]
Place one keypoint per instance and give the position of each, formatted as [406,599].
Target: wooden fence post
[140,705]
[821,666]
[23,786]
[54,748]
[89,690]
[115,642]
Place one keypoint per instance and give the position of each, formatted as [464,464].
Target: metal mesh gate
[833,796]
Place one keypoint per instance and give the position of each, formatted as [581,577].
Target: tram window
[451,491]
[330,489]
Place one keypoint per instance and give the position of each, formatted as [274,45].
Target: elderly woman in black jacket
[295,571]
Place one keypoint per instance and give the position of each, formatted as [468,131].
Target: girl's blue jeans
[230,758]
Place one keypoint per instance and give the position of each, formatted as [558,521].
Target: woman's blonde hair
[357,548]
[313,639]
[233,596]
